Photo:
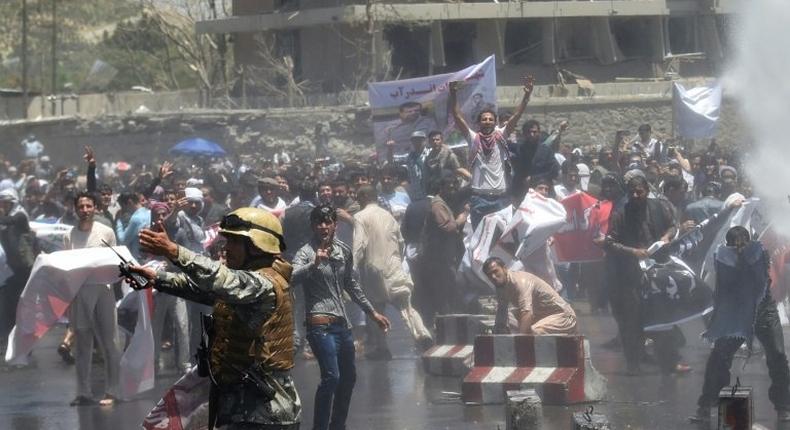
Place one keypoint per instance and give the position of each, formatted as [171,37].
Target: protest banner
[587,219]
[51,236]
[420,104]
[54,282]
[512,235]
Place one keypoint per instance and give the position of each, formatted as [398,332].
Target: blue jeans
[481,205]
[333,347]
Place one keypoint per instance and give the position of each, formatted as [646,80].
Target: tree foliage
[151,43]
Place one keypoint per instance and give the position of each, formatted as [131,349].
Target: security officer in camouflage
[251,350]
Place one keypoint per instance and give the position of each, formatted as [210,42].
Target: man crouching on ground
[538,309]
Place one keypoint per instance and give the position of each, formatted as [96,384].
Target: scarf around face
[488,141]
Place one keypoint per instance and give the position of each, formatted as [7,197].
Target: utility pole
[25,99]
[222,49]
[54,51]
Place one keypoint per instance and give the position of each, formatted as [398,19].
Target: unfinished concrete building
[339,45]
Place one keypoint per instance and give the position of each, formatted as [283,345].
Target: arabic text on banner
[420,104]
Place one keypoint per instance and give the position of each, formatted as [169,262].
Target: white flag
[697,110]
[137,362]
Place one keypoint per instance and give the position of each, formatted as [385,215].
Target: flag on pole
[696,110]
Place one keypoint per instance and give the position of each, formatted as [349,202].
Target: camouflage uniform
[252,348]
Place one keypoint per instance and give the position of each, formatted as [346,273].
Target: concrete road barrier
[455,335]
[558,368]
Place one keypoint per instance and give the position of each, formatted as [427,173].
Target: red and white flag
[186,401]
[54,282]
[587,218]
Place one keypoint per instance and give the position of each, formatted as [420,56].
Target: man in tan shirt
[378,248]
[538,309]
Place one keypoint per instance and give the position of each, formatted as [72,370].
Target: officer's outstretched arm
[203,279]
[211,280]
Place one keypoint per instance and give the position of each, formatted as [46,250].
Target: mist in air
[760,75]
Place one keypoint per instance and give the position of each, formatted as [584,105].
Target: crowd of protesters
[397,228]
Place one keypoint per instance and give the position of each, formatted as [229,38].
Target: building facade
[340,45]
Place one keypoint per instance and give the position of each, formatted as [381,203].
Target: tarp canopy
[197,146]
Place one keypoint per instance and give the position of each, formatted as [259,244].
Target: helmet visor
[233,222]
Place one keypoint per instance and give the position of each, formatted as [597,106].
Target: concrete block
[523,410]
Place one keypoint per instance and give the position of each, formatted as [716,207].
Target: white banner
[514,236]
[697,110]
[51,237]
[402,107]
[54,282]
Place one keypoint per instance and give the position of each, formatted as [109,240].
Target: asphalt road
[397,395]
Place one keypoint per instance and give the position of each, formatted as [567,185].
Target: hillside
[117,32]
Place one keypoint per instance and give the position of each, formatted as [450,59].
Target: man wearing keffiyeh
[488,154]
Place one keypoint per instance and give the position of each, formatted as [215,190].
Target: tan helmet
[263,228]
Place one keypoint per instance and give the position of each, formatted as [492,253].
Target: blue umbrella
[197,146]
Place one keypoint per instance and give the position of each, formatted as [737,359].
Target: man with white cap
[188,225]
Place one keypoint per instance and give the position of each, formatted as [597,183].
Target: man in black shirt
[632,230]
